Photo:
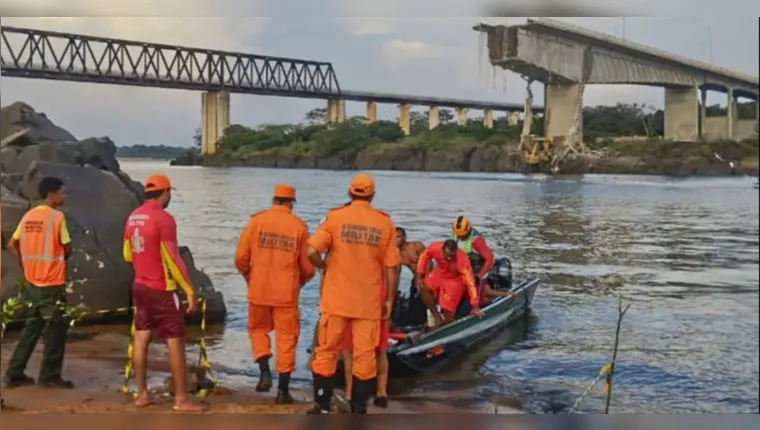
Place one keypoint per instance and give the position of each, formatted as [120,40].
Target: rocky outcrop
[678,159]
[99,198]
[459,158]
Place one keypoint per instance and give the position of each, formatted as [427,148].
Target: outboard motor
[500,276]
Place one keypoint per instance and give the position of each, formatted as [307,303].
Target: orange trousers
[364,335]
[285,321]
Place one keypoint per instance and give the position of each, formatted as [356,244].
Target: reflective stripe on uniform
[466,245]
[48,231]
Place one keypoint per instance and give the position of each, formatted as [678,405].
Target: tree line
[149,151]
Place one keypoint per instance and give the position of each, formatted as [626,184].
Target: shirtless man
[410,253]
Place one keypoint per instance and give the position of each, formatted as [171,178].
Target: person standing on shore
[271,256]
[150,244]
[381,394]
[409,253]
[41,244]
[363,254]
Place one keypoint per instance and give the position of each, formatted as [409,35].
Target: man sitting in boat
[448,281]
[481,259]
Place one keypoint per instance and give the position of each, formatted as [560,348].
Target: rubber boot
[323,392]
[283,390]
[361,391]
[265,376]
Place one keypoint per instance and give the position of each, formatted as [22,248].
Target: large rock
[99,199]
[39,129]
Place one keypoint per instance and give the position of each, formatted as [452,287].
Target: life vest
[466,245]
[42,253]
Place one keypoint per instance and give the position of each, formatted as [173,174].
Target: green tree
[197,137]
[445,116]
[316,116]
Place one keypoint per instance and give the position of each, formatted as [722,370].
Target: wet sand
[95,364]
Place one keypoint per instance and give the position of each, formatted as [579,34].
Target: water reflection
[685,252]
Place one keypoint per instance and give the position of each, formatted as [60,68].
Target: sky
[416,47]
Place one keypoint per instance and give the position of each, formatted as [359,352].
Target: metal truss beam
[36,54]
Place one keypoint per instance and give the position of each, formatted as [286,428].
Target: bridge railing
[41,54]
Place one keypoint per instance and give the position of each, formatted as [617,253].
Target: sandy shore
[95,364]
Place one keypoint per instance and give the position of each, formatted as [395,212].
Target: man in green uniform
[41,244]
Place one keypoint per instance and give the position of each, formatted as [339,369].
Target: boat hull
[460,336]
[413,357]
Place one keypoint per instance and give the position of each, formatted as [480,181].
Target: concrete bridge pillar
[433,118]
[513,118]
[731,114]
[371,112]
[403,118]
[560,106]
[462,116]
[336,111]
[215,119]
[488,118]
[681,114]
[702,112]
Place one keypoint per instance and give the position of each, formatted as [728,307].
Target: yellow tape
[130,353]
[202,358]
[602,372]
[76,313]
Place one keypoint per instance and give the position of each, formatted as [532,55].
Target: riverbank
[95,360]
[649,157]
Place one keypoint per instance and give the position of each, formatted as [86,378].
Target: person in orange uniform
[41,244]
[449,280]
[150,245]
[271,256]
[381,395]
[409,253]
[361,242]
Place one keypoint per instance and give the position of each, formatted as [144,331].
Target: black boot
[381,402]
[283,390]
[265,376]
[361,391]
[323,392]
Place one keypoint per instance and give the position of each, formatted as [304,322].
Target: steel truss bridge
[38,54]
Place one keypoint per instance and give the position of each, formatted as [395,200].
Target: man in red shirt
[449,280]
[150,244]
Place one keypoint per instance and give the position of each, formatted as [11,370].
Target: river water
[682,252]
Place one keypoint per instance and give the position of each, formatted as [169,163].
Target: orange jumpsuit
[449,279]
[271,255]
[361,242]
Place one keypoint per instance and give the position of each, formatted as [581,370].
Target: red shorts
[449,291]
[382,343]
[159,310]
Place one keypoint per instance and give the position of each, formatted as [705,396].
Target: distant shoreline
[145,158]
[676,160]
[715,174]
[160,152]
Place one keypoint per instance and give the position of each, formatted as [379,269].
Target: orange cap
[362,185]
[157,183]
[284,192]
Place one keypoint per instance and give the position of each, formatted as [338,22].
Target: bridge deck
[745,83]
